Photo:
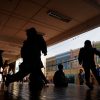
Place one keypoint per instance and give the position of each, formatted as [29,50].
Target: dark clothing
[59,79]
[32,47]
[31,54]
[31,51]
[86,58]
[1,61]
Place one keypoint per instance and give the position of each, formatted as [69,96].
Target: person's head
[6,61]
[81,70]
[31,32]
[60,67]
[87,43]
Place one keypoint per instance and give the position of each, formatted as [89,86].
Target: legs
[43,77]
[17,76]
[87,77]
[87,74]
[38,74]
[94,71]
[36,82]
[4,78]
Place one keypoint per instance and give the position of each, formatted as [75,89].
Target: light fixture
[59,16]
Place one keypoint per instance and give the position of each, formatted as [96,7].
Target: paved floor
[19,91]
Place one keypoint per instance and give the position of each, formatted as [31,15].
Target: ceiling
[18,15]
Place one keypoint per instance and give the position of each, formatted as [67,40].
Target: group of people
[32,64]
[86,59]
[4,67]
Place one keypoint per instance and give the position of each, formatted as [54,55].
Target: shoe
[90,85]
[7,82]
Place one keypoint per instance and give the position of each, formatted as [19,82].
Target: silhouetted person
[5,70]
[59,78]
[86,59]
[31,54]
[1,59]
[20,68]
[81,77]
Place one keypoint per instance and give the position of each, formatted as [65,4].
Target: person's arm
[97,52]
[80,56]
[43,46]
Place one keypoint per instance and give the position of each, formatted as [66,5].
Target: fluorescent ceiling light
[59,16]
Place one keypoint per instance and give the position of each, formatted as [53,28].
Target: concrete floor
[18,91]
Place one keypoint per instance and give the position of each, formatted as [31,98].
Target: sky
[74,43]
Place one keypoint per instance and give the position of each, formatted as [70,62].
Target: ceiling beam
[79,29]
